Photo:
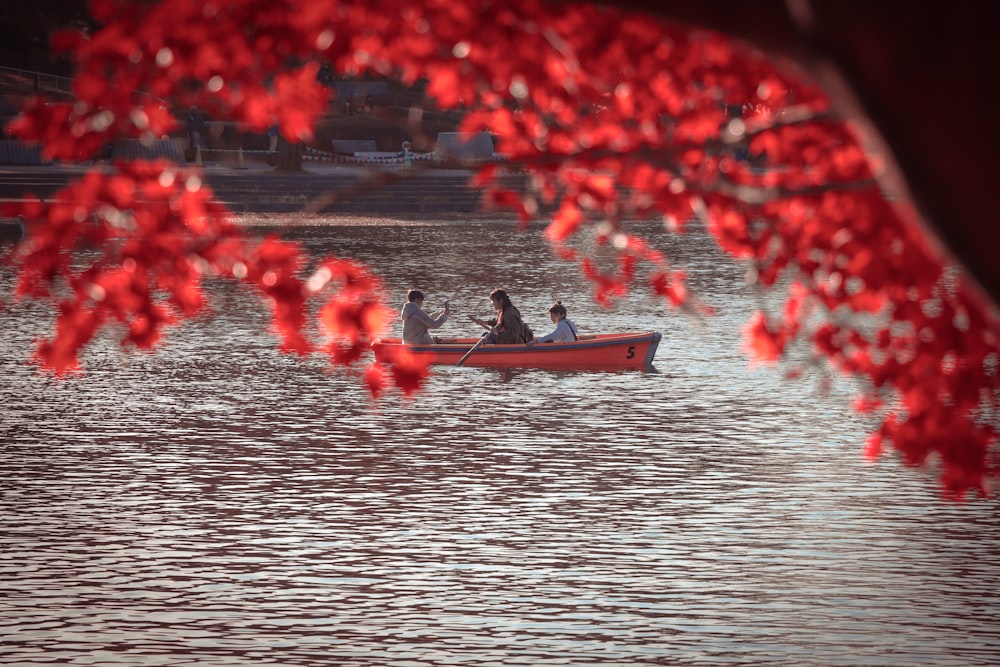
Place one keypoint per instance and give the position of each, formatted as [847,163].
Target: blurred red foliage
[617,115]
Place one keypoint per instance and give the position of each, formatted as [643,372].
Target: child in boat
[565,331]
[416,322]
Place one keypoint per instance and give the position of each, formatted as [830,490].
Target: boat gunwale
[595,340]
[498,352]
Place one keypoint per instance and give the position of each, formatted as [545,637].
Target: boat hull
[593,352]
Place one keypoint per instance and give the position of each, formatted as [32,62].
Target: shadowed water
[219,503]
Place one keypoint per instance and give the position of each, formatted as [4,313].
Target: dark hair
[414,295]
[558,309]
[501,296]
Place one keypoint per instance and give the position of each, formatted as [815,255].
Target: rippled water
[218,503]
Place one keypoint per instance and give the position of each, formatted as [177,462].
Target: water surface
[219,503]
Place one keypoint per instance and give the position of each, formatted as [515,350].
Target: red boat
[590,352]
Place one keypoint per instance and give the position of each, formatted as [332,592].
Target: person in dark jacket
[507,327]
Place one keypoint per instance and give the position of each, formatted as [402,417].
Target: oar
[475,347]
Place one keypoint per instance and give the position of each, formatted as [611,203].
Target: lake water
[219,503]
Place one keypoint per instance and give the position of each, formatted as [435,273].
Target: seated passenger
[565,331]
[416,322]
[507,327]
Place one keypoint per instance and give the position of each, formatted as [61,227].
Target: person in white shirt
[565,331]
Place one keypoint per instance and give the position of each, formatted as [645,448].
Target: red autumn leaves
[158,236]
[155,232]
[617,117]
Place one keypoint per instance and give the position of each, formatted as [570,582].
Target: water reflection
[218,503]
